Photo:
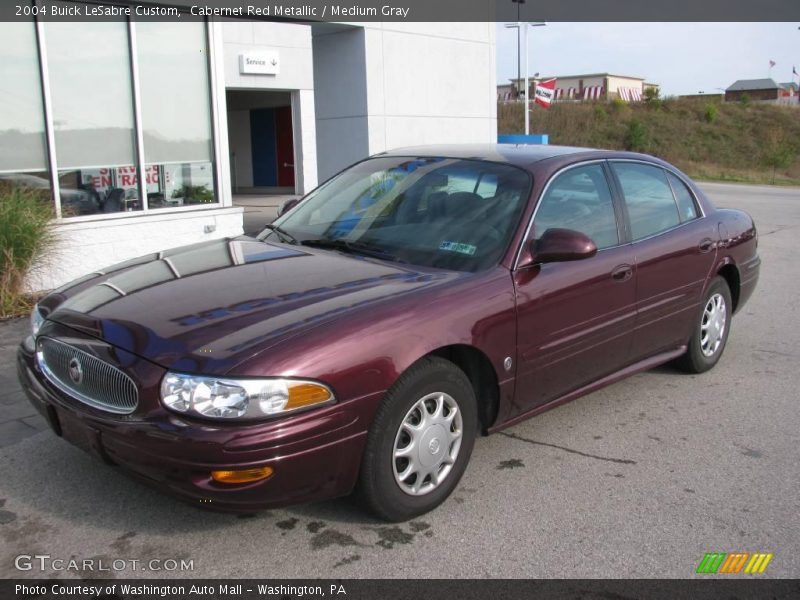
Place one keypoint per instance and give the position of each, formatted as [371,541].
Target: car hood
[206,307]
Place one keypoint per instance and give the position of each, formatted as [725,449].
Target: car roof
[515,154]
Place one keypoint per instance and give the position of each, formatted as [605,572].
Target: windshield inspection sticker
[457,247]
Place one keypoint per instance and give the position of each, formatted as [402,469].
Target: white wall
[430,83]
[340,91]
[380,86]
[614,83]
[89,246]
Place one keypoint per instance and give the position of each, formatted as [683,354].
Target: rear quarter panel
[738,246]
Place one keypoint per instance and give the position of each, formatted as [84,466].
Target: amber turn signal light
[242,476]
[306,394]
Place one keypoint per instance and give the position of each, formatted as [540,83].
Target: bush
[636,136]
[25,235]
[710,113]
[652,94]
[194,194]
[600,112]
[619,104]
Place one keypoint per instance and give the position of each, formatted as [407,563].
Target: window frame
[624,205]
[212,61]
[621,218]
[692,197]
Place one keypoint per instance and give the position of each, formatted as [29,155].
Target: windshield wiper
[351,247]
[284,235]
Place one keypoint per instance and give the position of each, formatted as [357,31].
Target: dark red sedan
[366,337]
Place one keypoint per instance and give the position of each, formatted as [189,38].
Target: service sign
[263,62]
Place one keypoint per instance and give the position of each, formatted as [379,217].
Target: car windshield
[429,211]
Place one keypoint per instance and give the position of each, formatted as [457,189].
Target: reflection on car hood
[206,307]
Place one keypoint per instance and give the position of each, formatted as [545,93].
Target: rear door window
[648,197]
[687,208]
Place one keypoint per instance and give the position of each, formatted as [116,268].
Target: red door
[285,146]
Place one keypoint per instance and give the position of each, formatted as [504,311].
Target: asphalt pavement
[640,479]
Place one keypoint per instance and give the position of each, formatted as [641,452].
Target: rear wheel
[711,330]
[420,441]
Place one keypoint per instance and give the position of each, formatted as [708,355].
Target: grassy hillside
[708,140]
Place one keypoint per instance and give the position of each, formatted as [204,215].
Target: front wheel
[711,329]
[420,441]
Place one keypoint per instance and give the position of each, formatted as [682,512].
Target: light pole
[527,107]
[519,3]
[519,27]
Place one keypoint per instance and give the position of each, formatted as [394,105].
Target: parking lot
[640,479]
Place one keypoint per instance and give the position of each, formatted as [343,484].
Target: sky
[684,58]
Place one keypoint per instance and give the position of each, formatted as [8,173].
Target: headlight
[235,398]
[36,320]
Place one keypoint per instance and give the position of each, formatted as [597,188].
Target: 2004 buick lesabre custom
[368,335]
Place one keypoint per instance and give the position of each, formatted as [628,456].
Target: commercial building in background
[591,86]
[762,90]
[144,132]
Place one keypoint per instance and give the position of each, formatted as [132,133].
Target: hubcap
[427,443]
[712,327]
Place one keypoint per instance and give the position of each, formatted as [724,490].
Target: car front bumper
[315,455]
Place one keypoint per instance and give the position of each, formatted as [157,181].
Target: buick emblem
[434,446]
[75,371]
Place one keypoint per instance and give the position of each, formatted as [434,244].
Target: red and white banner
[544,93]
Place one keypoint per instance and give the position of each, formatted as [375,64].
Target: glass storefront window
[92,114]
[23,155]
[176,113]
[92,103]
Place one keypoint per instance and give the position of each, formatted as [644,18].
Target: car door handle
[706,245]
[622,273]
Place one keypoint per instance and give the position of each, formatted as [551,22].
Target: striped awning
[566,93]
[630,94]
[592,92]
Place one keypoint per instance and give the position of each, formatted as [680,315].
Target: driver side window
[579,199]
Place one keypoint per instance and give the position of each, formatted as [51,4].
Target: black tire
[377,488]
[695,360]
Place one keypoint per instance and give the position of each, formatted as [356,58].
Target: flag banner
[544,93]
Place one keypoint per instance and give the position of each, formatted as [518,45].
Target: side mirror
[559,245]
[287,205]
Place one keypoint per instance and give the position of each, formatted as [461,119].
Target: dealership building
[143,133]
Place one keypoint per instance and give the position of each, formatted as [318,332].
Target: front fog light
[242,476]
[240,398]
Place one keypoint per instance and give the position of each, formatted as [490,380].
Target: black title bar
[742,588]
[408,10]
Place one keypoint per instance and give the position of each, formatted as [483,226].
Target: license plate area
[80,434]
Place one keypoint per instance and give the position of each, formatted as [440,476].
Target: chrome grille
[92,381]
